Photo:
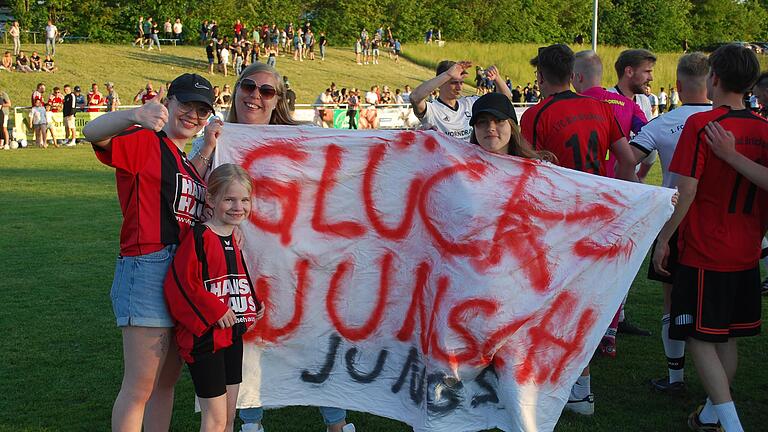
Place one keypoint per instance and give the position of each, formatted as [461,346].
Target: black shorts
[713,306]
[212,374]
[671,262]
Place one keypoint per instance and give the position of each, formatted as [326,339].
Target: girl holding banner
[258,99]
[147,143]
[494,130]
[211,297]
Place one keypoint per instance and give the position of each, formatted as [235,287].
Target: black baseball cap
[192,88]
[495,104]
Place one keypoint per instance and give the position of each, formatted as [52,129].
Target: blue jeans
[330,415]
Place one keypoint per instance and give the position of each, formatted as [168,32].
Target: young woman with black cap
[161,195]
[494,129]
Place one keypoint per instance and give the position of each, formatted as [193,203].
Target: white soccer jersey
[452,122]
[662,133]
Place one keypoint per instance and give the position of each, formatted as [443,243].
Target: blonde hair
[226,174]
[281,115]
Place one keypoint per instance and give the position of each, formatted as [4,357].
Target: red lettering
[405,139]
[373,322]
[474,171]
[517,234]
[457,319]
[286,193]
[346,229]
[375,156]
[417,307]
[550,364]
[430,143]
[265,329]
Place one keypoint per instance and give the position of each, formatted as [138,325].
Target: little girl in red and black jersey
[212,299]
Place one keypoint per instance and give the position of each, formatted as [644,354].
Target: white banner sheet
[418,277]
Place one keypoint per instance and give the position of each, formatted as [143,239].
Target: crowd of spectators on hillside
[20,62]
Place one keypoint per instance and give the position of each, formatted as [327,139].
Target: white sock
[581,388]
[675,352]
[726,412]
[708,414]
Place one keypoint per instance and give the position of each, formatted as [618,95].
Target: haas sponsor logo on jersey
[190,197]
[235,290]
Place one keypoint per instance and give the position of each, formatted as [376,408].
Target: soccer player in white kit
[450,113]
[661,134]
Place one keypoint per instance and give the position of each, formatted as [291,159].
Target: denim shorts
[137,290]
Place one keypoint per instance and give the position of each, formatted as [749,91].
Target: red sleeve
[189,303]
[129,150]
[526,126]
[691,153]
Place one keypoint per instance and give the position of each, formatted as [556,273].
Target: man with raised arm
[450,112]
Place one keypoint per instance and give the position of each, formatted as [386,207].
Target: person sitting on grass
[35,62]
[49,65]
[22,63]
[6,63]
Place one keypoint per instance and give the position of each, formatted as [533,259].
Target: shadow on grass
[167,60]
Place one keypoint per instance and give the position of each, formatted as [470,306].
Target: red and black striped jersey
[207,277]
[577,129]
[724,226]
[161,195]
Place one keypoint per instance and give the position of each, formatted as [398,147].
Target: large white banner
[418,277]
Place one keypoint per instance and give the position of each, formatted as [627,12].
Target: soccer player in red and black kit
[161,196]
[212,299]
[722,217]
[578,130]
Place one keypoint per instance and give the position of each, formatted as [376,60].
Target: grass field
[513,60]
[59,224]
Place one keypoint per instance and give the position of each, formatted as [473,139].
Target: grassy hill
[130,68]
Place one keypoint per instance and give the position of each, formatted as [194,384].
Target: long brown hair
[518,146]
[281,115]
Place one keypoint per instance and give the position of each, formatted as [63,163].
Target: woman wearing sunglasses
[259,99]
[146,144]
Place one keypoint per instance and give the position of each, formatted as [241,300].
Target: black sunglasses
[266,91]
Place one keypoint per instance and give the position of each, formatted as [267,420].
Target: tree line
[660,25]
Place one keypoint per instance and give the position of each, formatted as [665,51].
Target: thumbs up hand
[152,115]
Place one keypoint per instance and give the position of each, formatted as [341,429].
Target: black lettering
[330,359]
[416,387]
[490,395]
[444,392]
[362,377]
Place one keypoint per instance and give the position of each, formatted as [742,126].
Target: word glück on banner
[418,277]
